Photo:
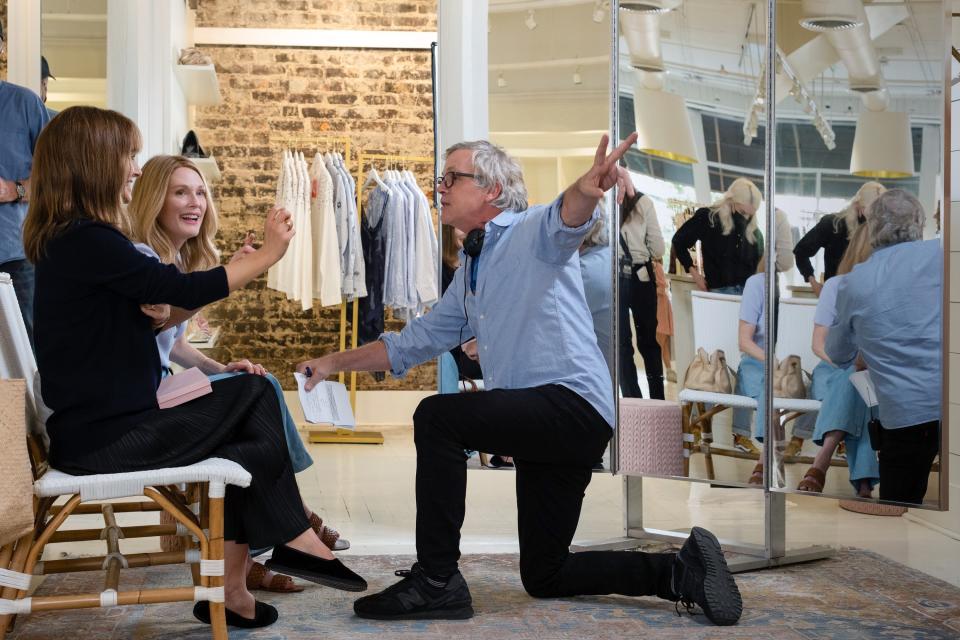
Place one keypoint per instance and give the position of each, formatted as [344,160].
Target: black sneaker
[701,576]
[415,598]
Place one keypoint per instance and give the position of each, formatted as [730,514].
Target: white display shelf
[209,168]
[206,344]
[199,83]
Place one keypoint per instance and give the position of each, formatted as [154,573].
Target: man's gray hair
[494,166]
[895,217]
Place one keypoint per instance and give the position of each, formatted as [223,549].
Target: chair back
[17,360]
[716,319]
[795,336]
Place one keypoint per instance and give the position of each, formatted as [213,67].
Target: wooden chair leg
[218,620]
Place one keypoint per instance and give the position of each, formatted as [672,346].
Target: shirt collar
[504,219]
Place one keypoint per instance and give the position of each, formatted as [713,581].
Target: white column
[23,43]
[701,175]
[462,96]
[930,172]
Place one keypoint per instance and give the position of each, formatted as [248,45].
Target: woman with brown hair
[174,221]
[91,282]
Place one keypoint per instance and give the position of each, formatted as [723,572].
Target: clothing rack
[341,436]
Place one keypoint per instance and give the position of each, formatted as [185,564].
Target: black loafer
[264,616]
[330,573]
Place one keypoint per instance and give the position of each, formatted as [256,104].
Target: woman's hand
[816,286]
[246,248]
[470,349]
[158,313]
[316,370]
[245,366]
[699,280]
[277,232]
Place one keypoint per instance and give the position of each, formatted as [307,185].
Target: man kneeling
[548,401]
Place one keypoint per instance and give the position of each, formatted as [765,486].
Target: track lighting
[501,81]
[531,21]
[577,78]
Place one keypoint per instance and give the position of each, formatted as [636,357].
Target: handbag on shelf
[788,379]
[710,373]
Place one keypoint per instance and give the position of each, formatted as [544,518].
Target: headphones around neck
[473,243]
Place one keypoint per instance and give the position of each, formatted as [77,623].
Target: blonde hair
[866,195]
[149,194]
[80,166]
[858,250]
[741,191]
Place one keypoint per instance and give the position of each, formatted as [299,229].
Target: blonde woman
[730,241]
[843,416]
[832,234]
[174,221]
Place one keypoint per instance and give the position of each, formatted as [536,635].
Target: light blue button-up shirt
[529,313]
[889,309]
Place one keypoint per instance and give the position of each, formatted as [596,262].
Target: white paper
[326,403]
[864,385]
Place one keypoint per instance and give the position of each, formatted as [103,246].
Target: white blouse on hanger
[326,264]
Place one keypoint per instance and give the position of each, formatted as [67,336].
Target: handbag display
[710,373]
[788,379]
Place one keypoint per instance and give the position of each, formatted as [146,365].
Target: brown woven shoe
[279,583]
[328,535]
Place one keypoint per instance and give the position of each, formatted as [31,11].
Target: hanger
[373,176]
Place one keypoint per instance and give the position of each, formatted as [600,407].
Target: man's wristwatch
[21,191]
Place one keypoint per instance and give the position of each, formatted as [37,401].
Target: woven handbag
[16,479]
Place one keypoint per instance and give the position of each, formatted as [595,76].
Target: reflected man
[548,400]
[889,310]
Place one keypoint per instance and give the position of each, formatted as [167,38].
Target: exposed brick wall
[3,20]
[380,99]
[371,15]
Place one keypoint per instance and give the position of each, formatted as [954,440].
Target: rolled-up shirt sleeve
[440,329]
[556,242]
[841,344]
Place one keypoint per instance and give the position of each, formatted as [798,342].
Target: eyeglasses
[450,177]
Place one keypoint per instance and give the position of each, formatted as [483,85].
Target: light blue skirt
[842,409]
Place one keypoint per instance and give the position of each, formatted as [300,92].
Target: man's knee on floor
[537,582]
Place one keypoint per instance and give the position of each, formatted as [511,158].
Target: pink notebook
[182,387]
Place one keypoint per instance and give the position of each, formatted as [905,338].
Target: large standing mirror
[690,85]
[860,112]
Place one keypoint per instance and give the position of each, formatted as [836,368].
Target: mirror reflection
[73,69]
[695,236]
[859,138]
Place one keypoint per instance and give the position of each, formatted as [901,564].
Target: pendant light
[663,126]
[882,145]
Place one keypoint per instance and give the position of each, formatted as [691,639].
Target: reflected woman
[843,415]
[730,241]
[832,234]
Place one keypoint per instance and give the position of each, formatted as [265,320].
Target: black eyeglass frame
[442,180]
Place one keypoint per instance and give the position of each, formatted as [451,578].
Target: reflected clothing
[374,256]
[595,268]
[889,309]
[641,233]
[829,234]
[752,308]
[529,313]
[639,299]
[905,458]
[750,384]
[728,260]
[842,409]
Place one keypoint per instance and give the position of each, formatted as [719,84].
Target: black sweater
[728,260]
[829,234]
[96,351]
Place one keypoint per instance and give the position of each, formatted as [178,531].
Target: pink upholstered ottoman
[651,437]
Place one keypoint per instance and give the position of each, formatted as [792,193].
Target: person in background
[832,233]
[843,415]
[595,265]
[45,75]
[889,311]
[640,246]
[22,118]
[730,241]
[465,356]
[174,220]
[91,284]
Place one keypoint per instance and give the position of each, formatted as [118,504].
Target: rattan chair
[193,495]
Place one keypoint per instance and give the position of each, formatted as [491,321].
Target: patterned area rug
[856,594]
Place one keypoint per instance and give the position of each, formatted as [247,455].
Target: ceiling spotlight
[501,81]
[598,11]
[577,78]
[531,21]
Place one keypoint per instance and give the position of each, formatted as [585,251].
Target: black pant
[555,437]
[239,421]
[640,299]
[905,456]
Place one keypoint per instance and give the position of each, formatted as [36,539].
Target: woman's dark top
[728,260]
[830,234]
[96,351]
[466,367]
